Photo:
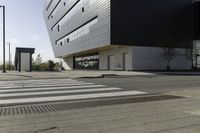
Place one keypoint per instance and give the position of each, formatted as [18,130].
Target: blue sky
[25,27]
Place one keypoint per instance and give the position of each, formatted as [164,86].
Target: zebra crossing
[54,90]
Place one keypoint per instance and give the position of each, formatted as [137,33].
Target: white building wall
[25,61]
[139,58]
[118,58]
[150,58]
[68,63]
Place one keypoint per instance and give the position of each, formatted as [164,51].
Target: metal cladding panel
[197,19]
[98,36]
[168,23]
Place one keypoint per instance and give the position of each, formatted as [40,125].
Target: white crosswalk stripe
[47,85]
[58,92]
[52,90]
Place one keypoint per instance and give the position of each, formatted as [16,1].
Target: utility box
[23,59]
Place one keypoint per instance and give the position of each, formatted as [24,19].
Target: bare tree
[168,54]
[38,59]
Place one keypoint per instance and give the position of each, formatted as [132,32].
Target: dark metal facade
[159,23]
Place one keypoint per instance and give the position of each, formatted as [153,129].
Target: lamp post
[4,38]
[9,57]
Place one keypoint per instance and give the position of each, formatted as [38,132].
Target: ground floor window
[87,62]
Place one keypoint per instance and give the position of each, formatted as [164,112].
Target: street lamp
[4,38]
[9,57]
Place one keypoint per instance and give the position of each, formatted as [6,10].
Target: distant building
[121,35]
[23,59]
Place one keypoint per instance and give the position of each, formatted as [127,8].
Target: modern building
[122,35]
[23,59]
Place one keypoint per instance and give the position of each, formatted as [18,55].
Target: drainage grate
[32,109]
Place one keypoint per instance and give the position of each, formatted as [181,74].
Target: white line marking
[41,83]
[71,97]
[41,80]
[38,81]
[53,88]
[35,86]
[58,92]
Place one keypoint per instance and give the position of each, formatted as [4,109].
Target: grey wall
[118,58]
[100,32]
[150,58]
[25,61]
[68,63]
[152,22]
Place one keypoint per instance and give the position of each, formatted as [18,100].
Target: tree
[188,54]
[43,66]
[57,65]
[39,65]
[8,67]
[168,54]
[38,59]
[51,64]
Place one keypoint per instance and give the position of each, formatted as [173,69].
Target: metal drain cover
[42,108]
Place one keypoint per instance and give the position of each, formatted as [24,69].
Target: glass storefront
[88,62]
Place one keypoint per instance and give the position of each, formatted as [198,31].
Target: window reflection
[90,62]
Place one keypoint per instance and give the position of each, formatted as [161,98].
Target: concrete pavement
[13,75]
[165,116]
[173,116]
[65,74]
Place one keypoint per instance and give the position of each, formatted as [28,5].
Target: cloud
[14,40]
[36,37]
[42,51]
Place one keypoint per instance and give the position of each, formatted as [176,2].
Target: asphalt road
[150,84]
[105,116]
[52,90]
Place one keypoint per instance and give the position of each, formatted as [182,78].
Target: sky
[25,27]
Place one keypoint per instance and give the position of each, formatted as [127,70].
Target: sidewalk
[13,75]
[66,74]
